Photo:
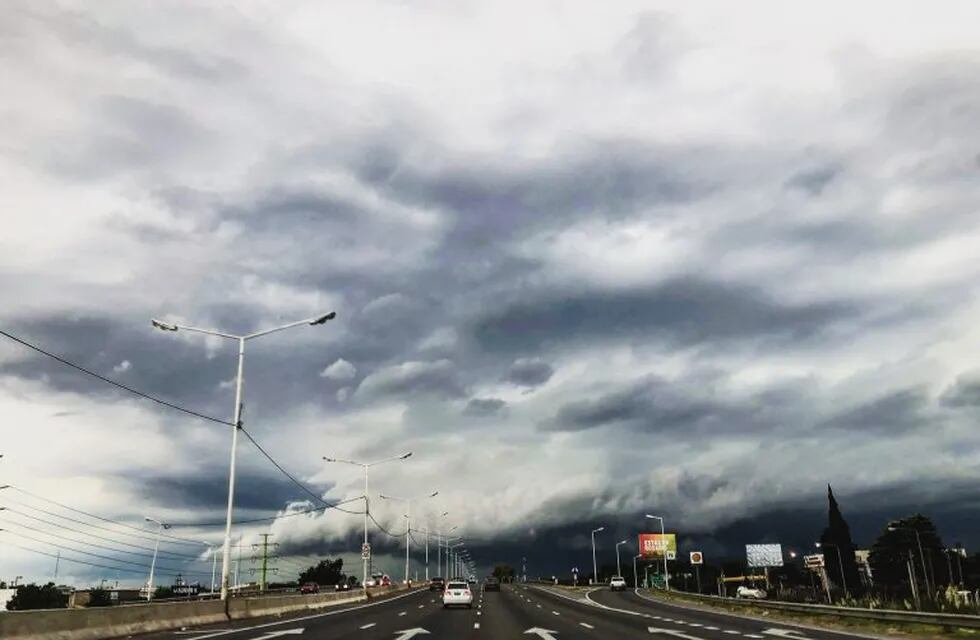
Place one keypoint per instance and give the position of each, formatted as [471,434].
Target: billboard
[764,555]
[657,545]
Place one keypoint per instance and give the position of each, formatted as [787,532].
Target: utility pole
[265,559]
[57,562]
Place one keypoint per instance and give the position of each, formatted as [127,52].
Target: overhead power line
[76,561]
[119,385]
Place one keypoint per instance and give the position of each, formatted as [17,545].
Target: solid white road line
[315,616]
[586,625]
[369,625]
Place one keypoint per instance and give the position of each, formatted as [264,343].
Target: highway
[517,611]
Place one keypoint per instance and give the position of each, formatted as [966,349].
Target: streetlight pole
[595,569]
[619,571]
[840,563]
[663,537]
[153,563]
[922,556]
[214,563]
[636,576]
[439,546]
[366,466]
[408,531]
[237,425]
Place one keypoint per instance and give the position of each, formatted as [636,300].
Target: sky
[588,262]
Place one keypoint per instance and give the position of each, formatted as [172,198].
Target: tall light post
[214,563]
[619,571]
[663,537]
[408,531]
[439,544]
[636,576]
[595,569]
[455,557]
[366,466]
[167,326]
[922,556]
[840,563]
[153,563]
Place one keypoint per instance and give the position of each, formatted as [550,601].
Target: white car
[457,594]
[617,583]
[753,593]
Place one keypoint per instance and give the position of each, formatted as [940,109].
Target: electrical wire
[90,544]
[113,382]
[66,558]
[383,530]
[95,526]
[97,555]
[275,517]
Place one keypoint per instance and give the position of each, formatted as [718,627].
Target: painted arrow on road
[785,633]
[673,632]
[285,632]
[405,634]
[545,634]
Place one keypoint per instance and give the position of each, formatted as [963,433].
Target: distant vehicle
[342,586]
[472,580]
[437,584]
[617,583]
[491,584]
[385,581]
[309,587]
[753,593]
[457,594]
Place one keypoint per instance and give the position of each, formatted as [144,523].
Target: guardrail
[946,620]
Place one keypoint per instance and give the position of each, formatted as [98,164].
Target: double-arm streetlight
[366,466]
[408,515]
[595,569]
[153,563]
[619,571]
[168,326]
[922,556]
[663,538]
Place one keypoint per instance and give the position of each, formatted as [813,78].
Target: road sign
[697,558]
[365,550]
[813,562]
[671,555]
[656,545]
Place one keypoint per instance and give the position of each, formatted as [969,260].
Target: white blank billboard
[764,555]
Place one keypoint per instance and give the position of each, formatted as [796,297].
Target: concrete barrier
[121,620]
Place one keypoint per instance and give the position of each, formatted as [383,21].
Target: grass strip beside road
[818,621]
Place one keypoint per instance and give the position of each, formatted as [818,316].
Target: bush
[31,596]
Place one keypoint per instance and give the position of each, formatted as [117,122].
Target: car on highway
[309,587]
[342,586]
[457,594]
[437,584]
[491,584]
[617,583]
[752,593]
[385,581]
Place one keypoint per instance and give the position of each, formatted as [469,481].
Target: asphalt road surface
[517,611]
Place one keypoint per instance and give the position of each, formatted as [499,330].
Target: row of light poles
[595,568]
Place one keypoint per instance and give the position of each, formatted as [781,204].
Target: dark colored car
[310,587]
[491,584]
[342,586]
[437,584]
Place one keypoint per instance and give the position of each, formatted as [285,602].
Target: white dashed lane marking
[711,628]
[556,613]
[369,625]
[476,625]
[750,635]
[732,633]
[586,625]
[403,613]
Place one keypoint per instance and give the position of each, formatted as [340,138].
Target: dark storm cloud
[417,377]
[209,493]
[894,412]
[529,372]
[682,311]
[965,392]
[651,404]
[484,407]
[813,181]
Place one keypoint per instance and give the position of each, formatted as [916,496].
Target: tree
[326,572]
[31,596]
[838,550]
[163,592]
[897,544]
[504,572]
[99,598]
